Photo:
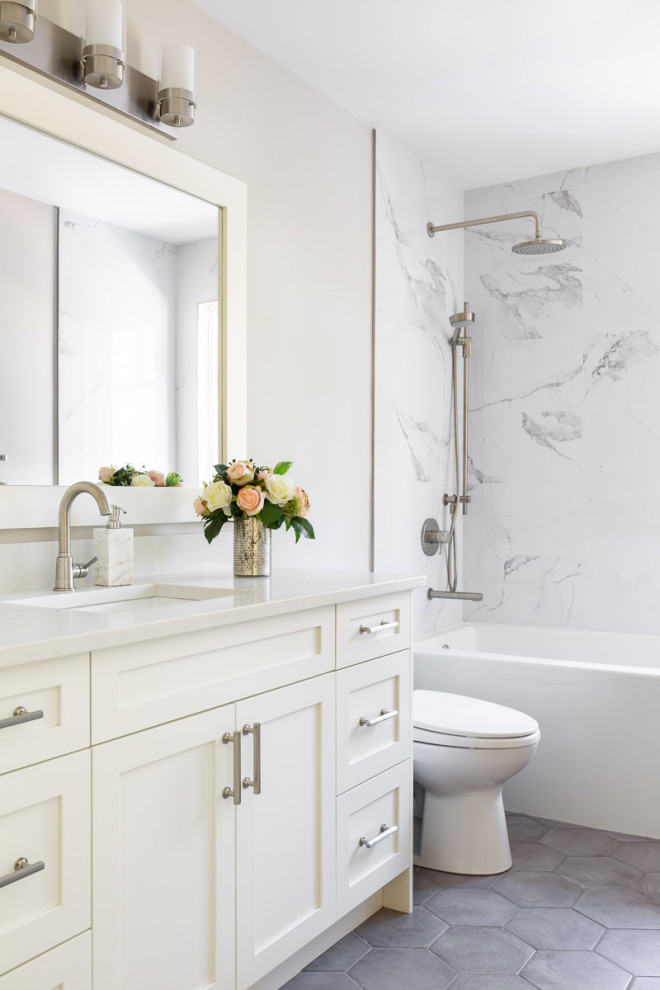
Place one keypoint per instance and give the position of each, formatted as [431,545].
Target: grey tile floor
[579,910]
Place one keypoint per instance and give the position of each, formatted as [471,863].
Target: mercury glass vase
[251,548]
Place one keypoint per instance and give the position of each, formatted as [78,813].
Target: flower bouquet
[128,476]
[242,490]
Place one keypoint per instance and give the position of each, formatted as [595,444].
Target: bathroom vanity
[201,793]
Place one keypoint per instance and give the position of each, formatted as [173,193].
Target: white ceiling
[487,90]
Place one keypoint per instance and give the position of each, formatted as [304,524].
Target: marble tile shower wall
[564,527]
[418,285]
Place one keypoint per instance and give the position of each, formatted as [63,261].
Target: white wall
[307,164]
[565,414]
[418,285]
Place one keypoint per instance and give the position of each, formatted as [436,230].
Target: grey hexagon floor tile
[599,872]
[636,951]
[390,929]
[394,969]
[308,980]
[522,828]
[538,890]
[555,928]
[574,971]
[579,842]
[646,983]
[342,955]
[487,951]
[533,856]
[619,909]
[458,879]
[465,906]
[490,983]
[644,856]
[552,823]
[649,885]
[423,888]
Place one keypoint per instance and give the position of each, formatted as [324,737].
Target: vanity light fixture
[103,44]
[176,92]
[17,20]
[95,64]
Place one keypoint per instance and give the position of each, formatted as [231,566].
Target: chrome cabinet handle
[20,715]
[235,792]
[21,870]
[383,717]
[255,781]
[384,833]
[384,624]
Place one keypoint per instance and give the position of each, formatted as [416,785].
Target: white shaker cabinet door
[44,857]
[163,857]
[285,841]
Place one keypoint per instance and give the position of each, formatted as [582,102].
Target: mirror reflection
[109,330]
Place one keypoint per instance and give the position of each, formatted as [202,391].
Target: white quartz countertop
[29,633]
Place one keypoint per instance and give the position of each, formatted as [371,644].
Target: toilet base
[465,833]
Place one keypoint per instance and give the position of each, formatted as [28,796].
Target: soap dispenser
[113,548]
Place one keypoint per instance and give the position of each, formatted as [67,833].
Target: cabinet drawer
[372,627]
[373,718]
[56,694]
[145,684]
[363,867]
[68,967]
[44,818]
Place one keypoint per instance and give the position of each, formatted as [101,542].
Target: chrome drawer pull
[383,717]
[20,715]
[228,792]
[384,624]
[385,832]
[255,781]
[21,869]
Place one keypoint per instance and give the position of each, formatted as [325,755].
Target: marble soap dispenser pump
[113,548]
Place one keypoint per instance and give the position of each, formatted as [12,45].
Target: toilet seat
[443,719]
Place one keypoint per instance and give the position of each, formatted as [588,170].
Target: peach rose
[264,474]
[105,473]
[158,478]
[199,505]
[250,500]
[240,473]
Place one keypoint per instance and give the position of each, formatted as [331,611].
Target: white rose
[279,489]
[217,495]
[141,481]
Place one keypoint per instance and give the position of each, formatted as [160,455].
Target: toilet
[464,751]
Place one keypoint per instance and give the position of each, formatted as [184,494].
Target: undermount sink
[127,598]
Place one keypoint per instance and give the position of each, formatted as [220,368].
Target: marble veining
[565,418]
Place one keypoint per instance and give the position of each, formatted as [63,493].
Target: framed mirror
[127,320]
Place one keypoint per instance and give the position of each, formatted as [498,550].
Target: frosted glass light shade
[178,67]
[104,23]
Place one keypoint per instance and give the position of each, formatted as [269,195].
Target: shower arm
[431,230]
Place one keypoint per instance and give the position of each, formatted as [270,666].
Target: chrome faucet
[65,569]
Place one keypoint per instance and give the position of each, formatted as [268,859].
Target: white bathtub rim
[423,643]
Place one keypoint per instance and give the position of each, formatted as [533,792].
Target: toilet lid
[458,715]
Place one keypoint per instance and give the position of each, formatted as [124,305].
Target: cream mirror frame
[44,107]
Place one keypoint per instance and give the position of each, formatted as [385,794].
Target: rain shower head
[538,246]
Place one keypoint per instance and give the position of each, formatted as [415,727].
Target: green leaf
[173,479]
[235,510]
[271,515]
[220,468]
[304,527]
[213,526]
[282,467]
